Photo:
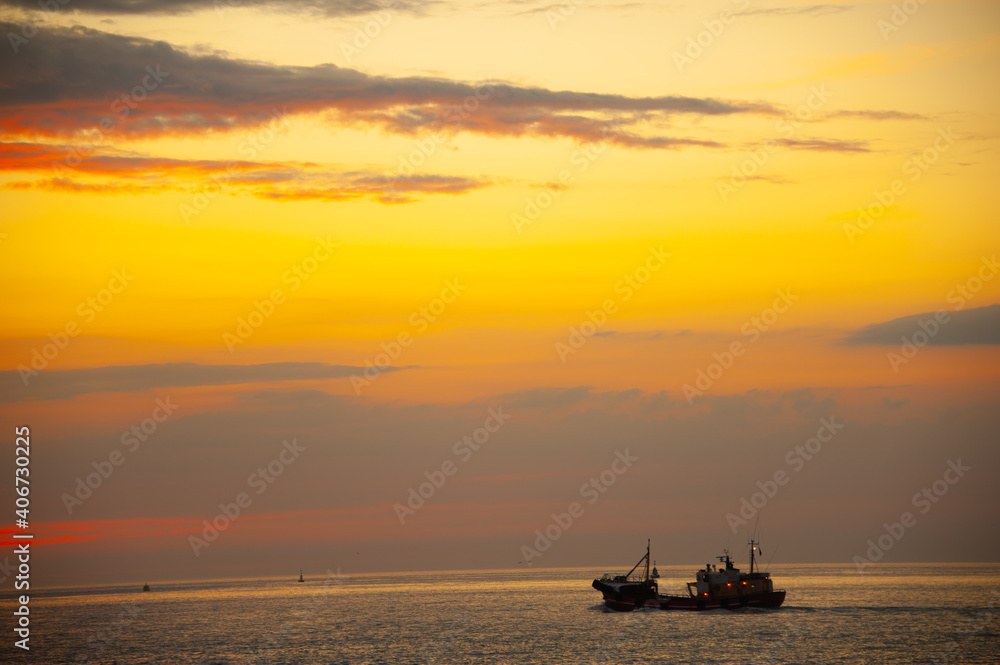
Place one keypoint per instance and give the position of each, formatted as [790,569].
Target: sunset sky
[337,236]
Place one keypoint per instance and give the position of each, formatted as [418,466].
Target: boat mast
[646,559]
[752,548]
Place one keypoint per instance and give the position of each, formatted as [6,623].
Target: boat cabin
[728,582]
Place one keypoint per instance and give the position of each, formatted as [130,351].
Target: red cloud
[113,172]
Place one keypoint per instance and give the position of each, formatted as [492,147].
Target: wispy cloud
[66,384]
[529,7]
[541,398]
[114,172]
[820,9]
[773,179]
[895,403]
[825,145]
[877,115]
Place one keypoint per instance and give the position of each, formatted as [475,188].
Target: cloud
[113,172]
[877,115]
[78,78]
[825,145]
[65,384]
[895,404]
[288,398]
[584,398]
[324,7]
[773,179]
[980,325]
[542,398]
[362,456]
[804,10]
[564,9]
[106,161]
[807,401]
[75,187]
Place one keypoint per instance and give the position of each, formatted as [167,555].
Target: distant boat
[300,577]
[656,573]
[712,589]
[145,587]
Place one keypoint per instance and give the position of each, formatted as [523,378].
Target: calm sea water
[897,614]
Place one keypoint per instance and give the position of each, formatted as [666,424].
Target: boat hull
[622,601]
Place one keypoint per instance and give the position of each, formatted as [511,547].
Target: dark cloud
[980,325]
[324,7]
[74,79]
[65,384]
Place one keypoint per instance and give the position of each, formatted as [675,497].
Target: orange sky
[574,215]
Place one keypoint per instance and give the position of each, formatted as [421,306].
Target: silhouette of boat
[300,577]
[712,589]
[145,587]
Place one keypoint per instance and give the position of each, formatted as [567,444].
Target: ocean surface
[893,614]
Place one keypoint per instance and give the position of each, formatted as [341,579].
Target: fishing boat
[714,588]
[301,579]
[145,587]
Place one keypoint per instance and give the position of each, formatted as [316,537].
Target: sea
[940,613]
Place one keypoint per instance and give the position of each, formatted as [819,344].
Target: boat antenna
[773,550]
[755,534]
